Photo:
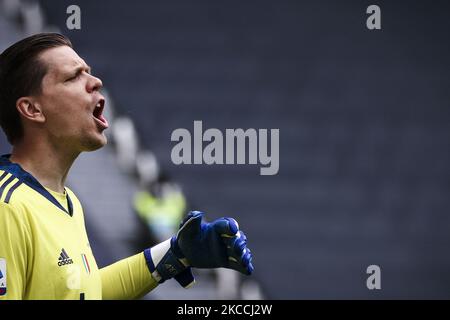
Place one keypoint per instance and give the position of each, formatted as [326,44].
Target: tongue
[102,119]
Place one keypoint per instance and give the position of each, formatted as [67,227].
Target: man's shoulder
[18,186]
[15,210]
[18,194]
[14,220]
[11,186]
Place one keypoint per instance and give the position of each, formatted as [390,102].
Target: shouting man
[51,110]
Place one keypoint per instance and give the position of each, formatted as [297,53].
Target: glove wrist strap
[164,264]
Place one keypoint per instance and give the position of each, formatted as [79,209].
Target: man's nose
[94,84]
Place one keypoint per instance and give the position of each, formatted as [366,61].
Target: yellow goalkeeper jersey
[45,251]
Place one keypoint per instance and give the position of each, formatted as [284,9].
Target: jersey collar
[17,171]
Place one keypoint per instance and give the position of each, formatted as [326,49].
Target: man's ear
[30,109]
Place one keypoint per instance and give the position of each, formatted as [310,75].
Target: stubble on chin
[92,144]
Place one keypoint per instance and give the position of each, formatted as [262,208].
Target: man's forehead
[62,58]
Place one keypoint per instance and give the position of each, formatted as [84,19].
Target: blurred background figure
[364,123]
[161,206]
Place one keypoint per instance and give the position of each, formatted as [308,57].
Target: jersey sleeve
[14,253]
[129,278]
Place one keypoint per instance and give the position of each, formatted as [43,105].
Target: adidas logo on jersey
[64,258]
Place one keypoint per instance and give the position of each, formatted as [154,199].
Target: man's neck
[45,162]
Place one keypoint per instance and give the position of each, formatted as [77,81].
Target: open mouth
[98,114]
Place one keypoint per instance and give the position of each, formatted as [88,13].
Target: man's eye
[73,77]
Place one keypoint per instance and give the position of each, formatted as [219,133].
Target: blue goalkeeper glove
[219,244]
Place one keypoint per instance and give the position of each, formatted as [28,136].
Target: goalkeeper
[51,110]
